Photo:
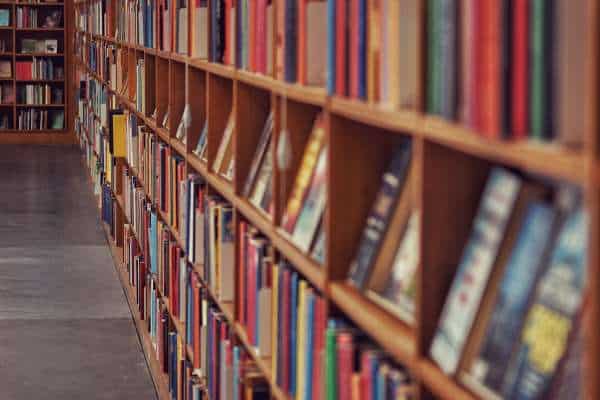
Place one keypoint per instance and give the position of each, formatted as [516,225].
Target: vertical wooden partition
[150,83]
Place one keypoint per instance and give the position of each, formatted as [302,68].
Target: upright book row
[510,70]
[212,167]
[195,340]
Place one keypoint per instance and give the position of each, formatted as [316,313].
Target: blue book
[310,317]
[291,40]
[331,47]
[236,372]
[293,328]
[552,316]
[524,266]
[380,215]
[447,63]
[362,49]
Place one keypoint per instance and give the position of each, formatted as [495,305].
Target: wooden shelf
[442,387]
[41,105]
[447,156]
[404,121]
[377,323]
[547,159]
[39,55]
[40,29]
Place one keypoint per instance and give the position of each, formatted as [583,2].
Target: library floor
[65,328]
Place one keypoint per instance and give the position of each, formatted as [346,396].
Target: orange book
[279,37]
[374,50]
[489,65]
[301,42]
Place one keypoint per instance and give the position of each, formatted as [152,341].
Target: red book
[173,283]
[489,65]
[519,67]
[227,51]
[251,296]
[340,50]
[345,355]
[252,36]
[196,319]
[285,333]
[301,59]
[353,48]
[241,303]
[260,36]
[366,381]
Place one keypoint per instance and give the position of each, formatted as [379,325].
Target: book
[396,290]
[305,172]
[225,151]
[263,180]
[552,315]
[500,325]
[4,17]
[393,181]
[495,208]
[316,30]
[5,69]
[313,207]
[263,143]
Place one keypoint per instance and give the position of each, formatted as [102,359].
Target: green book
[330,359]
[540,69]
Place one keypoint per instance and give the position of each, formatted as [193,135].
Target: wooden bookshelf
[13,35]
[449,167]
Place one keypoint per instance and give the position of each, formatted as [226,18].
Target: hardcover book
[377,222]
[552,315]
[501,325]
[314,205]
[479,254]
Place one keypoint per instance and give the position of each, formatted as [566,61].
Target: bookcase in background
[35,52]
[234,70]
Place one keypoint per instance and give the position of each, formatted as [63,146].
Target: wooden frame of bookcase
[449,166]
[65,135]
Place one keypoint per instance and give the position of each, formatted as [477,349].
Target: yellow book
[300,353]
[119,135]
[275,314]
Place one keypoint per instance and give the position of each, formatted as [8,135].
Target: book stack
[355,369]
[300,54]
[366,43]
[39,69]
[527,245]
[39,94]
[508,71]
[255,37]
[33,119]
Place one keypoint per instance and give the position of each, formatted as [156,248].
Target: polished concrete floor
[65,329]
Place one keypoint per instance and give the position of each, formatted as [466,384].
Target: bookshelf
[450,162]
[29,20]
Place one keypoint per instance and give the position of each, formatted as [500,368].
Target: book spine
[433,58]
[550,320]
[514,293]
[340,47]
[489,62]
[447,45]
[353,47]
[520,65]
[291,40]
[331,46]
